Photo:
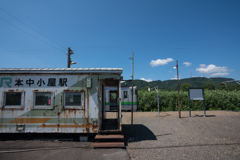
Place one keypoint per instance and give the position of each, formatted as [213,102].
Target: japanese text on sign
[51,82]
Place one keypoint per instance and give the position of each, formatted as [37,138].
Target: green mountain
[172,84]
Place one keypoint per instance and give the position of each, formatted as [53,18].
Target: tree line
[171,85]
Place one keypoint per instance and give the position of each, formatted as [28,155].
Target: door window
[125,94]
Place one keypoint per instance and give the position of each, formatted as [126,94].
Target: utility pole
[69,62]
[179,112]
[132,138]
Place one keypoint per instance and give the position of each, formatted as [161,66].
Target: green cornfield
[214,100]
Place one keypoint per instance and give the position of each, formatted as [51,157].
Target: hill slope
[172,84]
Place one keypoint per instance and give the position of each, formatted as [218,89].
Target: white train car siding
[52,100]
[126,101]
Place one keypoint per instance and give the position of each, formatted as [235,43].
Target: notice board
[196,94]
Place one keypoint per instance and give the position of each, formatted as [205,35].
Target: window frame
[42,106]
[82,107]
[21,106]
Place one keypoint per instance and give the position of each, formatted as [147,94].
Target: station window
[13,100]
[73,100]
[125,94]
[43,100]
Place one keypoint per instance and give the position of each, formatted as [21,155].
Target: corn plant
[214,100]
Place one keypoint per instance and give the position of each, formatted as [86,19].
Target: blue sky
[205,34]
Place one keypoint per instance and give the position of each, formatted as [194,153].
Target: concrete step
[108,137]
[112,110]
[110,132]
[109,145]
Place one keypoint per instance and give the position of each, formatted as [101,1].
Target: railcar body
[60,100]
[111,103]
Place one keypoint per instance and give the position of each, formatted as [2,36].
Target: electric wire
[120,47]
[33,50]
[32,28]
[31,35]
[165,47]
[26,53]
[107,48]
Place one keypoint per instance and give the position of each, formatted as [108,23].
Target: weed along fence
[56,100]
[214,100]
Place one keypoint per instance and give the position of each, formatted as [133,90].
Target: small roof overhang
[61,70]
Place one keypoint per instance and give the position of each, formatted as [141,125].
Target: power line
[167,47]
[153,48]
[109,48]
[38,52]
[31,28]
[21,53]
[34,50]
[31,35]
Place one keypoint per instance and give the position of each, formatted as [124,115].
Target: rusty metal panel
[54,118]
[120,108]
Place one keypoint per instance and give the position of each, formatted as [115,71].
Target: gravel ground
[45,150]
[216,136]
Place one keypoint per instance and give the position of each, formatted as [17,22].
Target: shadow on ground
[140,133]
[181,146]
[196,115]
[235,110]
[43,136]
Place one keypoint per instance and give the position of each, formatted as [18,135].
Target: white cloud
[147,80]
[202,65]
[174,78]
[160,62]
[220,74]
[213,70]
[187,64]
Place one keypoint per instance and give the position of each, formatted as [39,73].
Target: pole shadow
[196,115]
[140,133]
[235,110]
[44,136]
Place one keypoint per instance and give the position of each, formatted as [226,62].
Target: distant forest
[171,85]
